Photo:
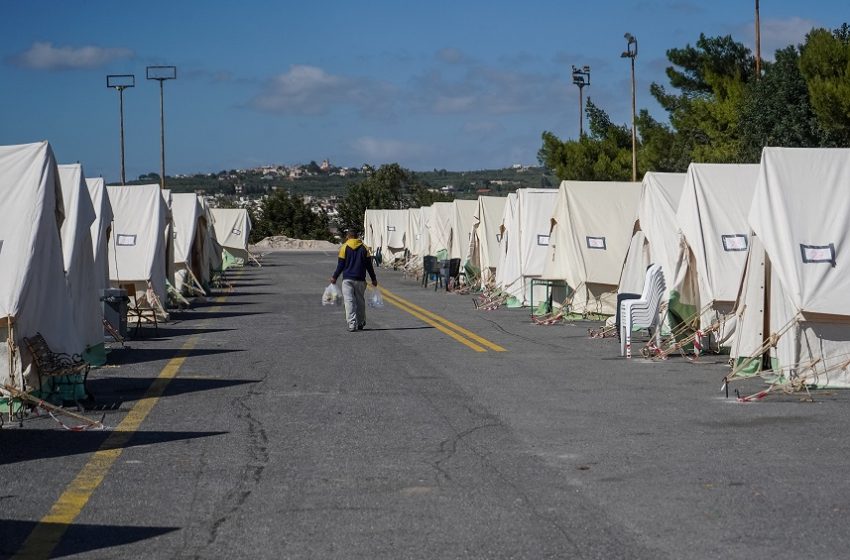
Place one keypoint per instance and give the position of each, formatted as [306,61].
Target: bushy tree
[284,214]
[604,154]
[389,187]
[825,64]
[777,110]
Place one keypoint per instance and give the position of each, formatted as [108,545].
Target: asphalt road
[285,436]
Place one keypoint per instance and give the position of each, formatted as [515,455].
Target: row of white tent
[64,238]
[751,251]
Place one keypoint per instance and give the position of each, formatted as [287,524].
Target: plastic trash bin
[115,303]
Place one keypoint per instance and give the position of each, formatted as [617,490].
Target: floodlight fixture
[120,82]
[161,74]
[581,78]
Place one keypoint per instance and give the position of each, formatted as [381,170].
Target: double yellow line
[460,334]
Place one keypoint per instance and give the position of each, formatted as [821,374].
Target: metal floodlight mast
[120,82]
[581,78]
[160,74]
[631,53]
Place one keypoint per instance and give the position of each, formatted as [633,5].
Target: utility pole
[160,74]
[631,53]
[581,78]
[758,43]
[120,82]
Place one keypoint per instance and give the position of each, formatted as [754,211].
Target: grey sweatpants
[354,296]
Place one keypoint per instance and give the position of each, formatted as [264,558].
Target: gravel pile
[283,243]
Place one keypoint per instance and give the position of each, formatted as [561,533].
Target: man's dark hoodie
[354,262]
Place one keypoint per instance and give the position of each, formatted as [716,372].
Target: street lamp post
[581,78]
[120,82]
[758,43]
[160,74]
[631,53]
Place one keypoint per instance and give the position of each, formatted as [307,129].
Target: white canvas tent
[395,238]
[78,255]
[190,230]
[712,217]
[509,267]
[440,229]
[417,233]
[34,296]
[168,235]
[486,233]
[656,229]
[591,229]
[232,230]
[796,291]
[100,231]
[213,250]
[137,247]
[463,217]
[535,215]
[372,230]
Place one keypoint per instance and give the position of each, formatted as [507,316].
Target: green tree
[711,80]
[391,186]
[604,154]
[283,214]
[777,110]
[825,64]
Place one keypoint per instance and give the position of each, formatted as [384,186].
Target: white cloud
[777,34]
[44,56]
[310,90]
[476,87]
[387,149]
[450,55]
[482,128]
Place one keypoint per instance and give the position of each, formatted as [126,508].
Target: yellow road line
[390,298]
[483,341]
[47,534]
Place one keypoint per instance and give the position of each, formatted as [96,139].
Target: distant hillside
[466,184]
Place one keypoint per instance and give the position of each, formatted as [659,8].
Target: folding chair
[140,311]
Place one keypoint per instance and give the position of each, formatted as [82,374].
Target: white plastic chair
[643,313]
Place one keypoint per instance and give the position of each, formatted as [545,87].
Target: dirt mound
[283,243]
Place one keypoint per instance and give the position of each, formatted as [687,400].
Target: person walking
[353,262]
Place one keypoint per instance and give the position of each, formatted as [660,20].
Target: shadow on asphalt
[78,538]
[250,294]
[166,333]
[198,315]
[208,304]
[110,392]
[399,328]
[25,444]
[247,283]
[137,355]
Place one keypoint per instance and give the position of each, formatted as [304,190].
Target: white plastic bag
[331,295]
[375,298]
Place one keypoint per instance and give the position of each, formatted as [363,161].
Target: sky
[458,85]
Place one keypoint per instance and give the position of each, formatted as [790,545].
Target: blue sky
[436,84]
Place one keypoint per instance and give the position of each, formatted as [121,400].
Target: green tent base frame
[96,355]
[228,260]
[62,389]
[11,406]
